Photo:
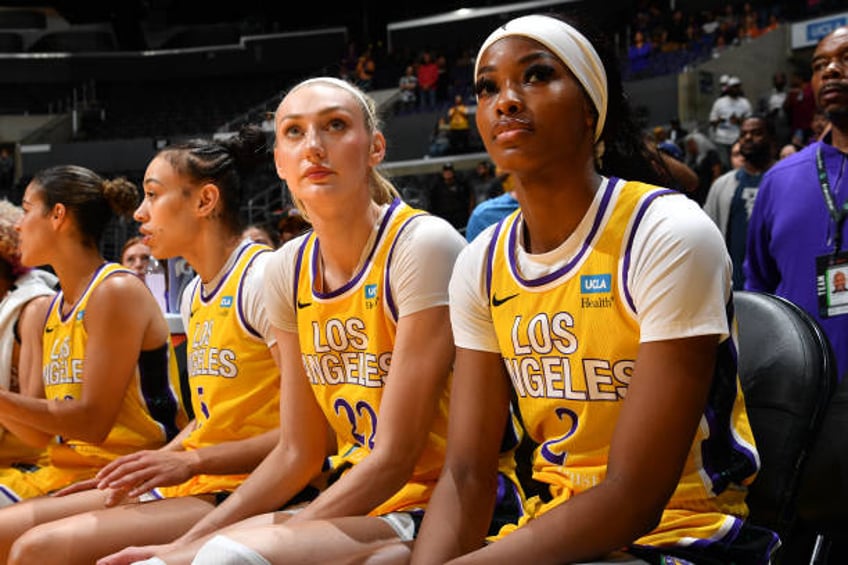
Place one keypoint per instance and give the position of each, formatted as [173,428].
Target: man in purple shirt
[798,232]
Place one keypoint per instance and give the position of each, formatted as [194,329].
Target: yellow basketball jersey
[235,384]
[150,411]
[346,338]
[569,342]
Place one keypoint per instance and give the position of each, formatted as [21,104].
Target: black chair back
[788,373]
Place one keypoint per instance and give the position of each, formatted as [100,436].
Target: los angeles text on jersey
[210,361]
[341,355]
[62,369]
[543,364]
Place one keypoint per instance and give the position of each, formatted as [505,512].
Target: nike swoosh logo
[48,330]
[498,301]
[302,305]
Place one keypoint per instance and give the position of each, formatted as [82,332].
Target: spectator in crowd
[731,197]
[786,151]
[702,157]
[729,22]
[122,398]
[798,231]
[710,22]
[800,105]
[639,55]
[292,224]
[722,84]
[750,28]
[191,210]
[261,232]
[721,42]
[440,139]
[737,158]
[25,296]
[726,115]
[677,133]
[460,128]
[428,78]
[677,38]
[365,69]
[408,85]
[772,24]
[528,294]
[484,184]
[772,105]
[489,212]
[451,198]
[135,256]
[818,126]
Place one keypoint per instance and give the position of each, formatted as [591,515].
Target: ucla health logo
[226,301]
[370,291]
[592,284]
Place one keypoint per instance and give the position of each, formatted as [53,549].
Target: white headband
[572,48]
[344,85]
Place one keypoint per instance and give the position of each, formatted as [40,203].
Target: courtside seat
[788,374]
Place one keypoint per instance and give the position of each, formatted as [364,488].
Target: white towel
[28,286]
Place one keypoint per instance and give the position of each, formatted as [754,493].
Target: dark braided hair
[223,163]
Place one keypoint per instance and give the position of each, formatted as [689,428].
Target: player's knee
[36,545]
[222,550]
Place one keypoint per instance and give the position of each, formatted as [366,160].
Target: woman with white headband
[359,309]
[601,306]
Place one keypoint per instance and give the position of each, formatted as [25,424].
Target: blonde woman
[359,310]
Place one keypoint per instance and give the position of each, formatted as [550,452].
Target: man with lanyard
[797,234]
[731,197]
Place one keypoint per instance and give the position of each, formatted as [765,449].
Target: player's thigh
[19,517]
[84,537]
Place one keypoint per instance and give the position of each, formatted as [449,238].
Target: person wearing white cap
[722,82]
[601,306]
[726,116]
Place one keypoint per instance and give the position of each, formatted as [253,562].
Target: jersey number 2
[548,449]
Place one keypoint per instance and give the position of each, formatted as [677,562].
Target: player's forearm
[280,476]
[457,518]
[587,526]
[242,456]
[362,489]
